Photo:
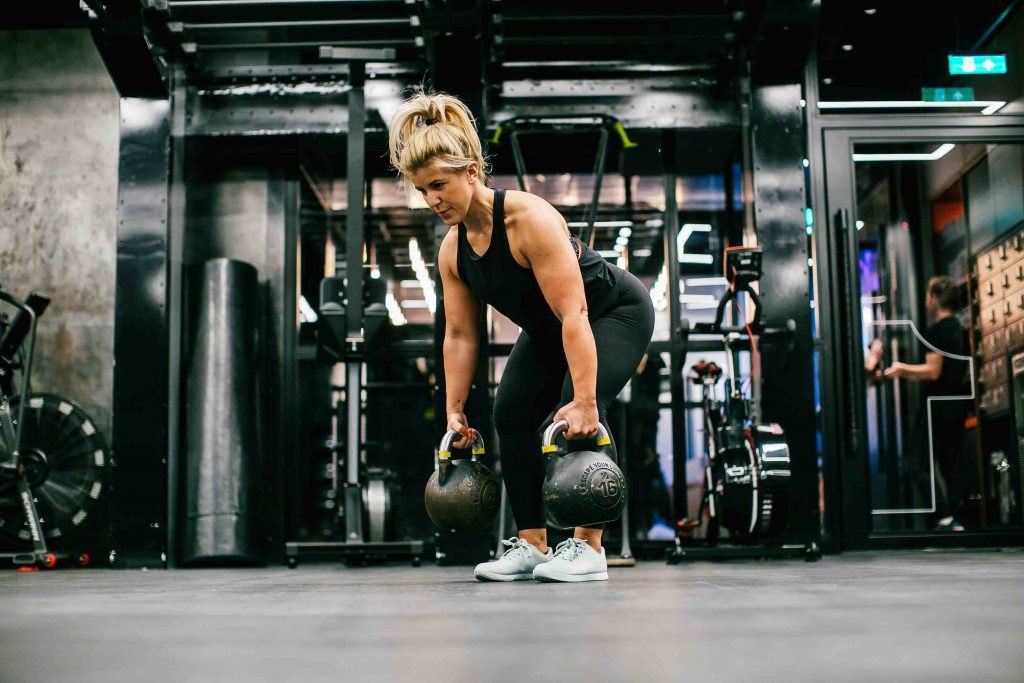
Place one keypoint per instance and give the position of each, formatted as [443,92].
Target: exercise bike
[53,460]
[748,468]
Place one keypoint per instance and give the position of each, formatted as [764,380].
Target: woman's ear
[472,172]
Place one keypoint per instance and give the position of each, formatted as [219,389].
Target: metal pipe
[517,157]
[246,25]
[184,4]
[678,386]
[602,151]
[354,290]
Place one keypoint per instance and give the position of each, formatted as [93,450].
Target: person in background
[942,376]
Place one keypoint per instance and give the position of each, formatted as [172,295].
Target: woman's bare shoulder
[525,208]
[446,255]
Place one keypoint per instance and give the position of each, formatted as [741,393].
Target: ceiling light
[684,234]
[422,277]
[987,106]
[870,11]
[698,299]
[621,240]
[826,81]
[306,312]
[394,310]
[641,253]
[940,151]
[625,232]
[847,48]
[601,224]
[706,282]
[860,225]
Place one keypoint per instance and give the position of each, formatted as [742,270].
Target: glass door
[928,234]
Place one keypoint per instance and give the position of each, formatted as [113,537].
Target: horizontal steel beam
[274,109]
[288,45]
[361,54]
[180,26]
[202,4]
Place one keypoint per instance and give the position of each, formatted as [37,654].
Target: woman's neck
[480,216]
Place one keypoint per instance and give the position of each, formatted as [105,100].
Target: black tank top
[495,278]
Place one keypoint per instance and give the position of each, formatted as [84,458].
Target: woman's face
[448,193]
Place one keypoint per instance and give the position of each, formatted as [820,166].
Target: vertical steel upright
[175,302]
[141,354]
[354,291]
[787,370]
[677,383]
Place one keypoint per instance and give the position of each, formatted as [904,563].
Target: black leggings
[536,383]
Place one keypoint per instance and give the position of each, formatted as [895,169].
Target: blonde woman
[585,323]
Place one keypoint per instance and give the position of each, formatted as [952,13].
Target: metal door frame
[845,461]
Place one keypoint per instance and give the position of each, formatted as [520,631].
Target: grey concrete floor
[910,616]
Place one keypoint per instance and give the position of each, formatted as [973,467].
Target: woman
[585,323]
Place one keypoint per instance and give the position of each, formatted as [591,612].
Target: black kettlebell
[461,494]
[581,488]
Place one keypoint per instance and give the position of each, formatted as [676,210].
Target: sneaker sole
[572,578]
[488,576]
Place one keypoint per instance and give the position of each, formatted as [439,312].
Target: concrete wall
[58,189]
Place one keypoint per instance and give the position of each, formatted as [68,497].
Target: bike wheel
[67,465]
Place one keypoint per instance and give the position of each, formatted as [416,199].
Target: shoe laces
[570,549]
[516,546]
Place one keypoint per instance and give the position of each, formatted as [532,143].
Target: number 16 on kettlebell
[461,494]
[584,487]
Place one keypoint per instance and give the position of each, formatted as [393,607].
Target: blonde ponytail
[434,128]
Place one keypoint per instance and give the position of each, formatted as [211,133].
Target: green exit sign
[974,65]
[947,94]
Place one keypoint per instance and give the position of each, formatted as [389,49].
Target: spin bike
[747,470]
[53,460]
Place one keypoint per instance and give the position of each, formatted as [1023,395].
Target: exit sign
[947,94]
[973,65]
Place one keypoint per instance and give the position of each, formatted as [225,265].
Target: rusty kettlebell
[581,488]
[461,494]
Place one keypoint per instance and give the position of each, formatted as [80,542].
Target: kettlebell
[461,494]
[581,488]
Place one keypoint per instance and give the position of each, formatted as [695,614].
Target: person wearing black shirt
[943,376]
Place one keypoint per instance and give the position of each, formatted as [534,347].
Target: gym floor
[906,616]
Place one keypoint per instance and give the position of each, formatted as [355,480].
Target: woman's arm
[928,371]
[461,338]
[545,244]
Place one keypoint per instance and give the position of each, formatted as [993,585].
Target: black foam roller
[223,457]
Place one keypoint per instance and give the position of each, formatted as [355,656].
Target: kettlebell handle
[547,444]
[444,452]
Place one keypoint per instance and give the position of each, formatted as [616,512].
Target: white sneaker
[574,560]
[516,564]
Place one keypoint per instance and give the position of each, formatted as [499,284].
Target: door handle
[842,220]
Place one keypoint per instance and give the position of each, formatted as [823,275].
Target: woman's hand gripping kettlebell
[581,417]
[458,423]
